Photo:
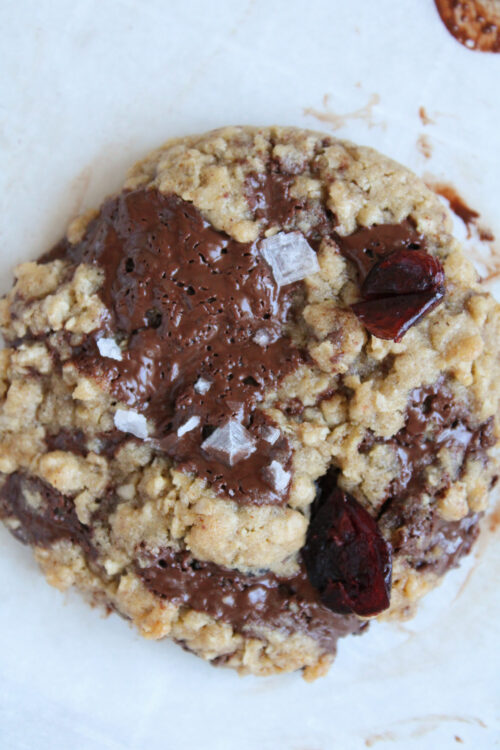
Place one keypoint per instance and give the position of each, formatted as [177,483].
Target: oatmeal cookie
[251,403]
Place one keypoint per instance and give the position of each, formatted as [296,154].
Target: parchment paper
[86,88]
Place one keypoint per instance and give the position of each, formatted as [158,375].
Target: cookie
[251,403]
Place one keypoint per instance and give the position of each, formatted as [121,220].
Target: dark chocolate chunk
[72,441]
[44,514]
[415,529]
[269,198]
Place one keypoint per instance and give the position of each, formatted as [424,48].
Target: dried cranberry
[391,317]
[398,291]
[346,557]
[403,272]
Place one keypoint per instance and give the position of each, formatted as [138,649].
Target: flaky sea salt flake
[270,434]
[202,386]
[230,443]
[109,348]
[191,423]
[131,421]
[262,337]
[280,478]
[290,256]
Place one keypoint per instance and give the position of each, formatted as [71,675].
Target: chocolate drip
[44,514]
[473,23]
[188,301]
[457,204]
[248,603]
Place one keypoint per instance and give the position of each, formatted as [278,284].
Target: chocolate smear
[45,515]
[247,602]
[188,301]
[414,527]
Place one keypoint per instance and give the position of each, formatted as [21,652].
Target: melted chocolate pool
[188,302]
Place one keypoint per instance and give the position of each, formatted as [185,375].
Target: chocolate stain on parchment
[492,267]
[494,519]
[424,146]
[78,188]
[424,117]
[489,527]
[457,204]
[422,726]
[475,229]
[336,120]
[473,23]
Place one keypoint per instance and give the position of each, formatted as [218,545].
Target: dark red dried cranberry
[346,557]
[403,272]
[398,291]
[391,317]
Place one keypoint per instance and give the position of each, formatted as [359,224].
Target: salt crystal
[262,337]
[109,348]
[290,256]
[270,434]
[202,386]
[131,421]
[280,478]
[188,426]
[230,443]
[257,595]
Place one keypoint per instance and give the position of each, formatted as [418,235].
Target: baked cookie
[251,403]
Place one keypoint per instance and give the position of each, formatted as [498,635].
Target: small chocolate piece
[269,198]
[189,301]
[72,441]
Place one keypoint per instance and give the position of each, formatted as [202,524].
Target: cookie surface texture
[251,402]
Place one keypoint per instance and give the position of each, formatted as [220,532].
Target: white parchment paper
[87,87]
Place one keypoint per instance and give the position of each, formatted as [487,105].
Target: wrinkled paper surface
[87,88]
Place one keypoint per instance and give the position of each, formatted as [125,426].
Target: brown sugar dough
[109,335]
